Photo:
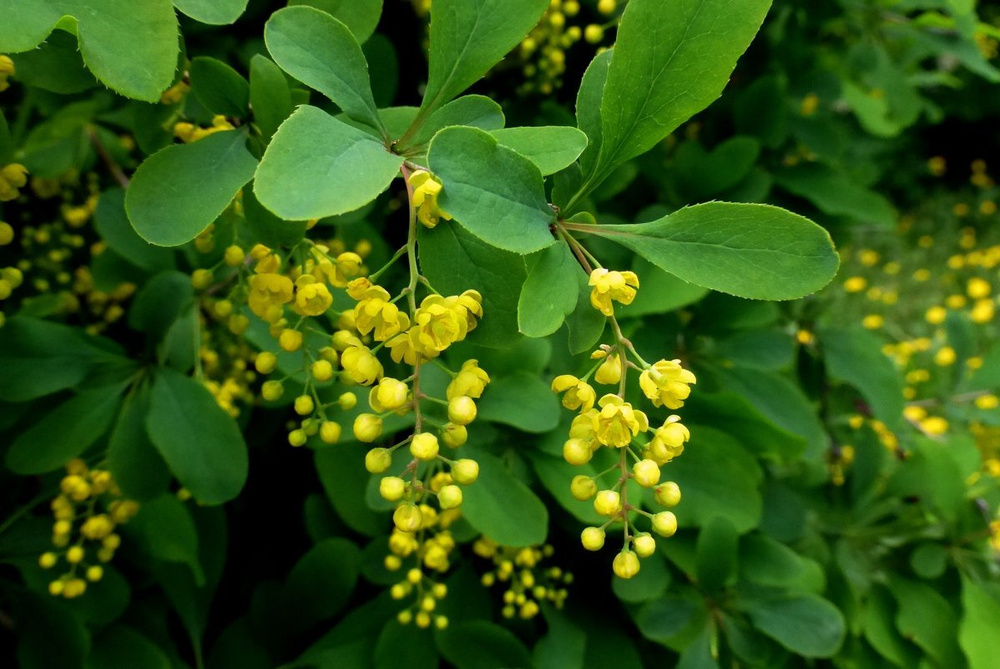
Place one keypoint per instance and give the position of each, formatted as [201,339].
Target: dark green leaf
[219,87]
[804,624]
[749,250]
[660,291]
[137,467]
[717,553]
[855,357]
[114,227]
[48,633]
[56,65]
[270,95]
[344,479]
[833,193]
[420,650]
[503,508]
[322,581]
[482,645]
[925,617]
[550,293]
[179,191]
[169,534]
[317,166]
[520,400]
[980,620]
[492,191]
[196,437]
[161,302]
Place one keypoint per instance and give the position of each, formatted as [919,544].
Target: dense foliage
[498,333]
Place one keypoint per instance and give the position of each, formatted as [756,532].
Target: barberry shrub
[294,375]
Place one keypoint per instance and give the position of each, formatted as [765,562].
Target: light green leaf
[749,250]
[492,191]
[550,292]
[199,441]
[980,621]
[219,87]
[454,261]
[476,111]
[212,12]
[480,644]
[269,94]
[361,16]
[179,191]
[671,61]
[804,624]
[317,166]
[855,357]
[926,618]
[521,400]
[140,67]
[468,38]
[503,508]
[321,52]
[56,65]
[65,432]
[551,148]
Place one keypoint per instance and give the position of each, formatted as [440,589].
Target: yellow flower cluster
[528,582]
[87,511]
[426,189]
[189,132]
[13,177]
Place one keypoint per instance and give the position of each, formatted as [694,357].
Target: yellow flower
[425,193]
[936,315]
[982,311]
[440,322]
[268,292]
[855,284]
[872,321]
[374,311]
[361,364]
[945,356]
[579,394]
[666,383]
[12,177]
[470,381]
[389,395]
[608,286]
[668,441]
[610,371]
[617,422]
[977,288]
[401,349]
[313,299]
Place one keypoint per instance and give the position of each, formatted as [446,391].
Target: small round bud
[593,33]
[304,405]
[233,256]
[422,619]
[461,410]
[297,437]
[74,555]
[646,473]
[668,494]
[583,488]
[608,503]
[441,622]
[367,427]
[439,590]
[272,391]
[450,497]
[665,523]
[47,560]
[392,488]
[347,401]
[414,575]
[453,435]
[407,518]
[592,538]
[290,340]
[329,432]
[626,564]
[378,460]
[465,471]
[322,370]
[201,278]
[644,544]
[577,452]
[405,617]
[95,573]
[424,446]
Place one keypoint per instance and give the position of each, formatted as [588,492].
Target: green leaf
[854,356]
[702,174]
[588,106]
[649,584]
[804,624]
[665,618]
[737,416]
[551,148]
[716,554]
[322,581]
[476,111]
[4,137]
[492,191]
[880,629]
[660,291]
[586,324]
[361,16]
[137,467]
[670,62]
[317,166]
[56,65]
[344,479]
[925,617]
[179,191]
[212,12]
[480,644]
[564,643]
[219,87]
[65,432]
[520,400]
[321,52]
[717,478]
[114,227]
[49,634]
[140,67]
[121,646]
[160,302]
[468,38]
[270,95]
[980,620]
[48,357]
[198,440]
[420,650]
[503,508]
[833,193]
[550,293]
[749,250]
[169,534]
[555,473]
[454,261]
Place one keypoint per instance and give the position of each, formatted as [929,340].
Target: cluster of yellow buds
[189,132]
[527,580]
[613,423]
[13,177]
[225,359]
[175,93]
[87,511]
[426,189]
[7,70]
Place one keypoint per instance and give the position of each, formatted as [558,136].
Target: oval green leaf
[503,508]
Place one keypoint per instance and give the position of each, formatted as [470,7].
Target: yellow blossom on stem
[425,193]
[612,286]
[666,383]
[578,393]
[617,422]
